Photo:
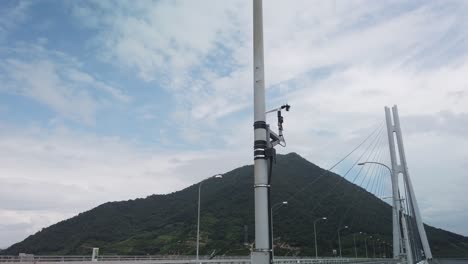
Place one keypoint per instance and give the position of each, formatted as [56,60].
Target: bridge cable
[342,178]
[337,163]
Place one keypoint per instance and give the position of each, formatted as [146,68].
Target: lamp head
[361,163]
[345,227]
[218,176]
[285,202]
[324,218]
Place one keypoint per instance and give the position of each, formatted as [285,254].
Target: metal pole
[262,251]
[379,247]
[373,245]
[339,242]
[198,221]
[401,149]
[271,226]
[355,250]
[394,174]
[315,234]
[365,243]
[199,203]
[315,237]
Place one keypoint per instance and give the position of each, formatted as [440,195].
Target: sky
[114,100]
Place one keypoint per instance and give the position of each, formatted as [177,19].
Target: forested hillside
[166,224]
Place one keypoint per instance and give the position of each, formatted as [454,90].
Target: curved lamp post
[375,162]
[373,245]
[275,206]
[354,239]
[216,176]
[396,209]
[315,234]
[365,243]
[339,238]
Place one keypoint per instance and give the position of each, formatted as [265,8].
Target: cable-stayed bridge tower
[409,235]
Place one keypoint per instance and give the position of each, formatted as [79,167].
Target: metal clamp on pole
[262,250]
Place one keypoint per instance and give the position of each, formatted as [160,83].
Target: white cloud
[55,80]
[160,38]
[167,42]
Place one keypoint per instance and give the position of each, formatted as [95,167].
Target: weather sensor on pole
[278,138]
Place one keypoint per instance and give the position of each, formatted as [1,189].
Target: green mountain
[166,224]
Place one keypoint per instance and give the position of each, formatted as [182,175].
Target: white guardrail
[186,260]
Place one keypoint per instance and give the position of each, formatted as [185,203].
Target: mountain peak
[166,224]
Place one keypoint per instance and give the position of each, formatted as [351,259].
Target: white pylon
[409,185]
[397,252]
[394,130]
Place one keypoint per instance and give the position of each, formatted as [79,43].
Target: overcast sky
[103,101]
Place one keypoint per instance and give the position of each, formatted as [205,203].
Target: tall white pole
[262,251]
[401,149]
[395,193]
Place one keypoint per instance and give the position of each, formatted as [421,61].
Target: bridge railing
[177,259]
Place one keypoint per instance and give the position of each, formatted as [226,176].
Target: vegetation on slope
[166,224]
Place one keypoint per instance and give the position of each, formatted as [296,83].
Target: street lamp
[384,250]
[339,238]
[365,243]
[396,206]
[379,248]
[373,245]
[277,205]
[375,162]
[354,239]
[391,197]
[216,176]
[315,234]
